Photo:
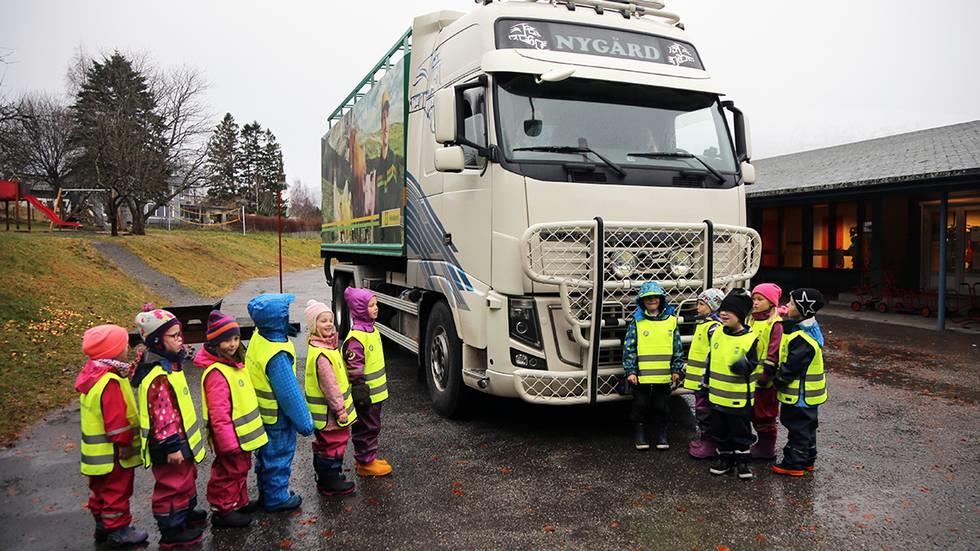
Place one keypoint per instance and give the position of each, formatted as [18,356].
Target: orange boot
[374,468]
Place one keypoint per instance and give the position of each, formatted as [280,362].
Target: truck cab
[558,155]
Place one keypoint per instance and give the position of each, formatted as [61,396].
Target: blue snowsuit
[273,462]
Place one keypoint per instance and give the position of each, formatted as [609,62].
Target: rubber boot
[811,459]
[330,479]
[197,517]
[100,531]
[742,468]
[702,448]
[231,519]
[290,504]
[127,536]
[793,463]
[250,508]
[640,437]
[374,468]
[765,446]
[180,537]
[661,440]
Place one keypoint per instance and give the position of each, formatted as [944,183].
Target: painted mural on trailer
[363,168]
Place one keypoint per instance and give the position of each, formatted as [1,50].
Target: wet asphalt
[898,469]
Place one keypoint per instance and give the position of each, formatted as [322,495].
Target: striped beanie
[221,328]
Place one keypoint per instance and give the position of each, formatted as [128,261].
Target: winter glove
[780,382]
[742,367]
[361,393]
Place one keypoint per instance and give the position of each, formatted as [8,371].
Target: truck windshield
[635,127]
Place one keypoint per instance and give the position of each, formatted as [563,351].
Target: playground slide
[50,213]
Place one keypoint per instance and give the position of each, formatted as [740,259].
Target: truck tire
[341,314]
[443,363]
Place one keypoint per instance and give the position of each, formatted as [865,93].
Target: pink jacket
[328,383]
[357,300]
[218,396]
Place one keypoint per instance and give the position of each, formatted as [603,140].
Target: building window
[972,243]
[770,237]
[791,244]
[821,236]
[846,236]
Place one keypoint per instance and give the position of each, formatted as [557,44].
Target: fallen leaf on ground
[286,544]
[614,524]
[549,528]
[761,538]
[327,534]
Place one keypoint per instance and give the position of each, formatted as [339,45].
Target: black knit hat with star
[807,300]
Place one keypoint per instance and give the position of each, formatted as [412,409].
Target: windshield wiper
[571,149]
[679,155]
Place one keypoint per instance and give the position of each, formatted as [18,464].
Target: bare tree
[36,145]
[302,204]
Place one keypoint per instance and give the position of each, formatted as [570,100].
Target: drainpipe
[941,290]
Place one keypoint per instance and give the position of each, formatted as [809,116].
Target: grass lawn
[214,263]
[52,288]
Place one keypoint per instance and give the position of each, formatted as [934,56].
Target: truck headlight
[623,264]
[523,322]
[681,263]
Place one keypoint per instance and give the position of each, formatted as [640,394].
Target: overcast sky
[808,74]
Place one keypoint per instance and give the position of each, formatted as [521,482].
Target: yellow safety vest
[260,351]
[815,385]
[314,394]
[184,404]
[697,354]
[724,387]
[244,406]
[98,452]
[374,363]
[654,349]
[763,329]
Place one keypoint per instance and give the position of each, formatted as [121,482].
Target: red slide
[50,213]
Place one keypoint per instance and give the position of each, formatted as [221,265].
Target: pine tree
[271,176]
[223,173]
[249,163]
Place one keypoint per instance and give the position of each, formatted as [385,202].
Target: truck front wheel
[444,362]
[341,314]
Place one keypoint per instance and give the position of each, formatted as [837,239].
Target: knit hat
[770,291]
[807,300]
[154,324]
[104,342]
[738,303]
[313,310]
[712,298]
[221,328]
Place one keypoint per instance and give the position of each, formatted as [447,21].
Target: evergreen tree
[122,137]
[222,167]
[249,164]
[271,178]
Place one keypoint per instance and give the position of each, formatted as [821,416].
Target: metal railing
[599,266]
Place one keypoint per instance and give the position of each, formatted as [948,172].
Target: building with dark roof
[868,214]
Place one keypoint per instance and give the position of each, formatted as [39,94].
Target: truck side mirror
[450,159]
[743,140]
[748,172]
[444,106]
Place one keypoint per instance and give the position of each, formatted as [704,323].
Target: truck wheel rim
[439,359]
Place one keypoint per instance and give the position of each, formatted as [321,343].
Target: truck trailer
[505,179]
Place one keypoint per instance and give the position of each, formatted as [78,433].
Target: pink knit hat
[313,310]
[770,291]
[104,342]
[153,323]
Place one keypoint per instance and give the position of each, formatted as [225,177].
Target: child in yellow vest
[365,361]
[653,357]
[801,381]
[230,411]
[708,322]
[328,394]
[733,369]
[172,442]
[764,322]
[110,443]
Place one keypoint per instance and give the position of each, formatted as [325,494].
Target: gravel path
[162,284]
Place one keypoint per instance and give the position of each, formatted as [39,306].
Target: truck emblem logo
[678,54]
[527,34]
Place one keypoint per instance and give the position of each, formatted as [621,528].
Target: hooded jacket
[630,364]
[800,352]
[218,397]
[357,302]
[113,403]
[270,312]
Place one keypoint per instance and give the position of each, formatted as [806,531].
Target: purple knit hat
[221,328]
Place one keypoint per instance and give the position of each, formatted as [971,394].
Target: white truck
[505,179]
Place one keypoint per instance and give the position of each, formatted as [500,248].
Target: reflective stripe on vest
[725,388]
[185,406]
[260,351]
[654,349]
[244,406]
[314,394]
[697,355]
[814,377]
[374,363]
[97,450]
